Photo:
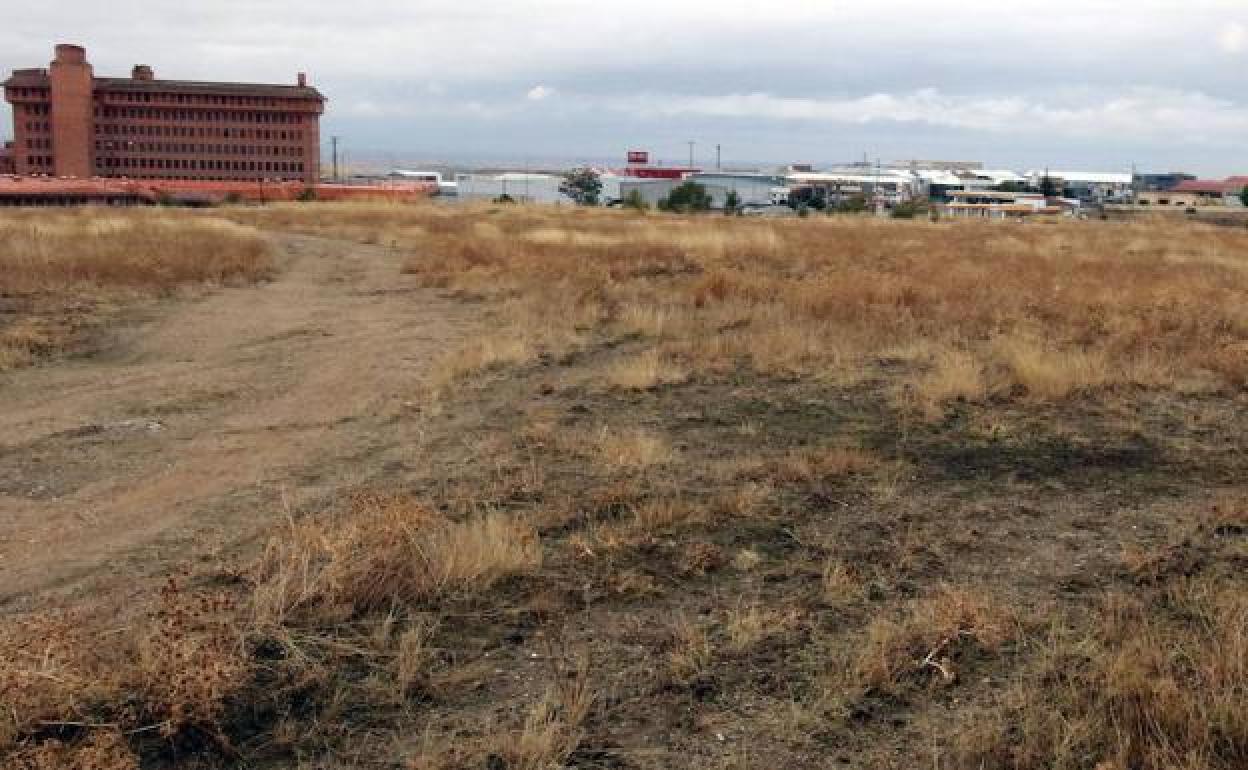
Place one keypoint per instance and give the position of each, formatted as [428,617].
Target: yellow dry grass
[388,552]
[1040,312]
[1158,685]
[644,371]
[631,449]
[154,251]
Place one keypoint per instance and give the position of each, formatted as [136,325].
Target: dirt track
[196,427]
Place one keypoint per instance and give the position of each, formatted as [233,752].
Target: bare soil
[192,426]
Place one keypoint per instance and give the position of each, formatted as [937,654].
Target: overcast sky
[1092,84]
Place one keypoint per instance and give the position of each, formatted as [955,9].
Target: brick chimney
[302,80]
[142,72]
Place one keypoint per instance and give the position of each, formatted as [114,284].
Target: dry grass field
[61,272]
[728,493]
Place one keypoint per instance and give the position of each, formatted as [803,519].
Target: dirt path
[204,424]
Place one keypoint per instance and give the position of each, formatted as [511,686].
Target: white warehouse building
[520,187]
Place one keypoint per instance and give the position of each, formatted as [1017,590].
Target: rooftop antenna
[333,140]
[691,143]
[717,157]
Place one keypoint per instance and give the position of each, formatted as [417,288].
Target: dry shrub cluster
[977,311]
[55,266]
[73,688]
[325,600]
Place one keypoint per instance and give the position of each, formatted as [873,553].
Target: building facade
[69,123]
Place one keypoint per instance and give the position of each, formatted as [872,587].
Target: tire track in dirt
[204,424]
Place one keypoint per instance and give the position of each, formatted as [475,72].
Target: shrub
[688,197]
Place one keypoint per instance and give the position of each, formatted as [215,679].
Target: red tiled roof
[1216,186]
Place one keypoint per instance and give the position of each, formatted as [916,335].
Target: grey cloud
[1096,82]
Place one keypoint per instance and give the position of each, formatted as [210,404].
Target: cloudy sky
[1066,83]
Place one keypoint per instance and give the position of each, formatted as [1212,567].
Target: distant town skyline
[1090,84]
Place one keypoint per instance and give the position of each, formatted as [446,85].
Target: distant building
[1173,198]
[444,187]
[884,186]
[1161,182]
[938,165]
[1198,192]
[69,123]
[752,189]
[996,204]
[649,191]
[1087,186]
[512,185]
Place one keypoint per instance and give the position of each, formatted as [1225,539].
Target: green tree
[732,204]
[1010,185]
[1243,196]
[854,204]
[582,185]
[634,201]
[909,210]
[688,197]
[1048,187]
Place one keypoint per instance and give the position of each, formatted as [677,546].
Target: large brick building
[69,123]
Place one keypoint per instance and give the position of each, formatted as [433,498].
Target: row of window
[147,97]
[200,116]
[38,126]
[39,143]
[199,164]
[37,109]
[131,129]
[28,93]
[39,160]
[200,149]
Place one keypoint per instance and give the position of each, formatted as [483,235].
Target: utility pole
[717,157]
[690,143]
[333,140]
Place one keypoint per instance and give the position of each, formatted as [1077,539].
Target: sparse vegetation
[715,492]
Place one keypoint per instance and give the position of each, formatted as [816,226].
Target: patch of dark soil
[1042,457]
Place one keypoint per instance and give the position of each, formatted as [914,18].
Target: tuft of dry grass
[953,375]
[934,637]
[841,584]
[1047,373]
[631,450]
[479,356]
[819,464]
[388,552]
[644,372]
